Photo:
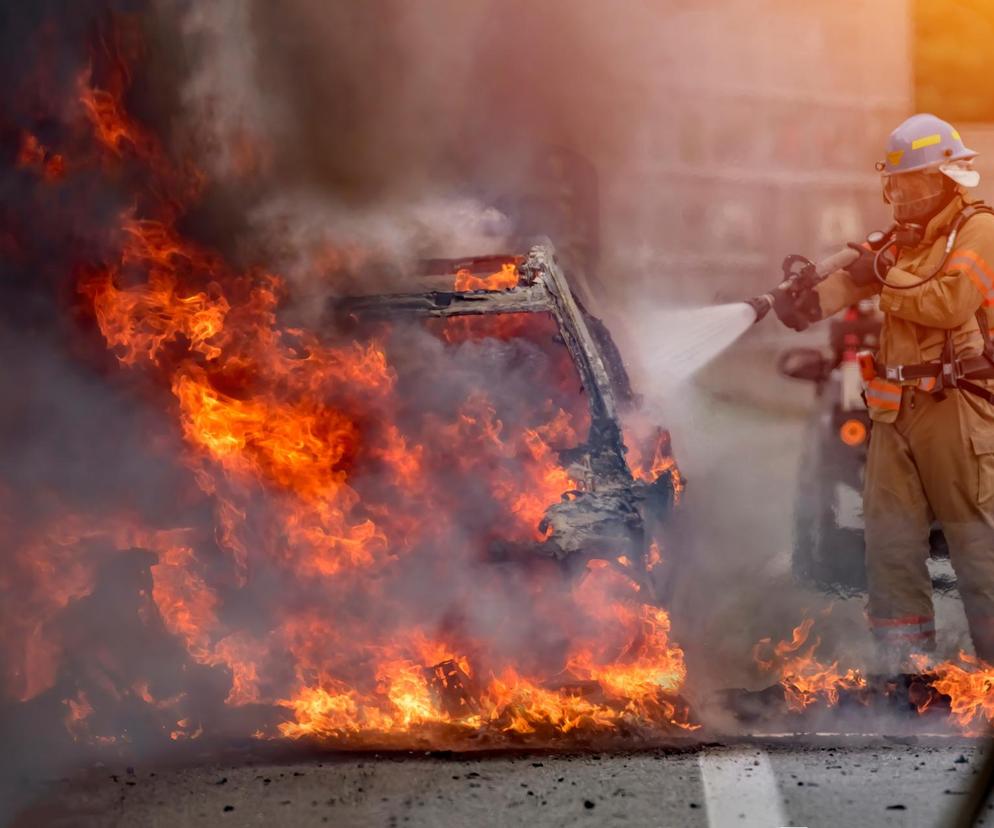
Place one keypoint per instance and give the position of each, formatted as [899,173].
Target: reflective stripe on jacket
[917,320]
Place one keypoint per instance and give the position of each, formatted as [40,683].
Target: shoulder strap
[977,390]
[974,208]
[985,331]
[970,209]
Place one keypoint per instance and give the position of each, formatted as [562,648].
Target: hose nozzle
[797,281]
[761,304]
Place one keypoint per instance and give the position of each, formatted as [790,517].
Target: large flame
[345,499]
[598,689]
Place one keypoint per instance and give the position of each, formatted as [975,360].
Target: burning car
[606,513]
[433,519]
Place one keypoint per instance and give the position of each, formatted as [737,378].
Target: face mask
[915,195]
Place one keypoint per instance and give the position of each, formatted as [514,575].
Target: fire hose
[801,274]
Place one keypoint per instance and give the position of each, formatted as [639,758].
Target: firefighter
[930,390]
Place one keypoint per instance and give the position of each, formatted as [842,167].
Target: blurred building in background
[762,122]
[760,134]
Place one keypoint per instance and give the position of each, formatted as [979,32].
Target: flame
[533,447]
[593,696]
[142,319]
[969,684]
[52,569]
[503,279]
[121,136]
[186,603]
[79,710]
[33,155]
[662,460]
[804,679]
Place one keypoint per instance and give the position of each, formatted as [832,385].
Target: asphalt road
[830,781]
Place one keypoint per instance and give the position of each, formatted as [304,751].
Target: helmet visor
[905,189]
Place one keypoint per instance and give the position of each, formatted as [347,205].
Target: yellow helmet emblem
[926,141]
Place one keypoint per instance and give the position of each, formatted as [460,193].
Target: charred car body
[611,515]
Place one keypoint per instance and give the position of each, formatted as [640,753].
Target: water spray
[682,341]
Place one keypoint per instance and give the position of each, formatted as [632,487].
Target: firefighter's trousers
[936,462]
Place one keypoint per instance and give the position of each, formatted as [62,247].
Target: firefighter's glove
[861,271]
[796,309]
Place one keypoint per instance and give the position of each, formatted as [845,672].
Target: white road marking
[740,789]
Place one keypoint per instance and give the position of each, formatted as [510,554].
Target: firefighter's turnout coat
[931,455]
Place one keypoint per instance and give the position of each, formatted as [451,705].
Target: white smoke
[225,107]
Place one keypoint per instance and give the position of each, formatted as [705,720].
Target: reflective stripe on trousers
[911,629]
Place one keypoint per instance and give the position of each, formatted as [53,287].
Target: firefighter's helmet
[926,160]
[925,142]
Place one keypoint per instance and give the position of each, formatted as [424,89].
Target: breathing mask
[917,196]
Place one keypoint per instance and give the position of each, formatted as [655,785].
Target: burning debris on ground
[812,694]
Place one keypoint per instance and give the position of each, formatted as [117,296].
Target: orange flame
[969,684]
[33,155]
[503,279]
[593,696]
[662,461]
[805,680]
